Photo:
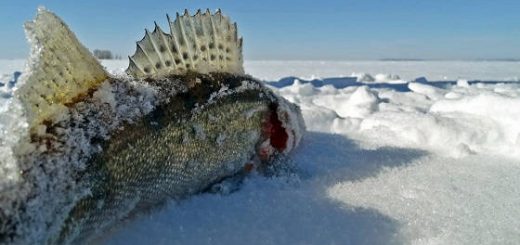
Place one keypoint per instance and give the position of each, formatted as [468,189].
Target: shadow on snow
[282,210]
[343,82]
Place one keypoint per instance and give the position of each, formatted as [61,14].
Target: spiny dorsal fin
[59,69]
[200,43]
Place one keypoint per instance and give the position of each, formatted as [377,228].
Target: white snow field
[389,158]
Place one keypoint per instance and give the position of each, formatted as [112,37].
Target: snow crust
[457,121]
[410,162]
[11,130]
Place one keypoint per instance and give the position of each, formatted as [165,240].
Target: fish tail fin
[60,69]
[201,43]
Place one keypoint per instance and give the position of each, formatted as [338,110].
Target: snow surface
[389,158]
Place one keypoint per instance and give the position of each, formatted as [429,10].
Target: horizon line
[352,59]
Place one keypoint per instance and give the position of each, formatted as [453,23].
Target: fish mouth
[275,135]
[280,132]
[278,135]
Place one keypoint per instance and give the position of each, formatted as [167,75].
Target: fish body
[99,148]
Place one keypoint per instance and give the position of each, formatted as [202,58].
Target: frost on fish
[96,149]
[60,69]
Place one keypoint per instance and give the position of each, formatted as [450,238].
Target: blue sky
[303,29]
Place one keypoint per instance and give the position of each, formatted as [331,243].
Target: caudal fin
[60,69]
[200,43]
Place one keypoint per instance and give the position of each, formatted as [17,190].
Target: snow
[405,70]
[389,158]
[440,200]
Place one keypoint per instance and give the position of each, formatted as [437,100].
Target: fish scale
[168,167]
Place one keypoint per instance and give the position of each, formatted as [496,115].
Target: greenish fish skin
[179,149]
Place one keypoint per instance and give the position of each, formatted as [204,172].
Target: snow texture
[388,159]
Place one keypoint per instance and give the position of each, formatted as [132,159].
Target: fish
[94,149]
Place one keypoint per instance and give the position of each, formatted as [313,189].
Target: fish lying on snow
[90,149]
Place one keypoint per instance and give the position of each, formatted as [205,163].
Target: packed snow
[396,153]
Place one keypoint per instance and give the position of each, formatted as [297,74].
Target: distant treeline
[105,55]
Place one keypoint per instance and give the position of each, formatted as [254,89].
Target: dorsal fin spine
[157,31]
[195,46]
[213,32]
[132,62]
[173,27]
[165,43]
[143,50]
[174,40]
[182,27]
[218,37]
[149,40]
[204,19]
[155,46]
